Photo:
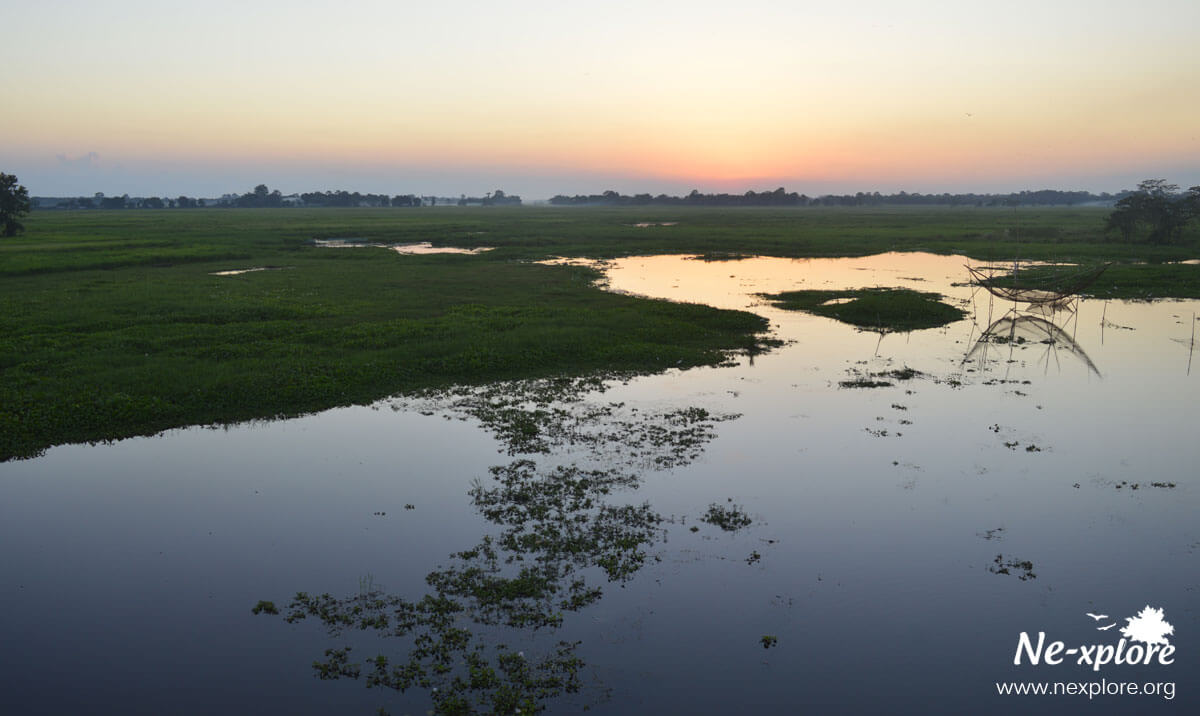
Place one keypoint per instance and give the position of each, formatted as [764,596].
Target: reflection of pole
[1192,345]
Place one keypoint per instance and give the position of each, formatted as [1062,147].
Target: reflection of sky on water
[130,568]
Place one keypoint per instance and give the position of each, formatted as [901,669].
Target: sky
[540,98]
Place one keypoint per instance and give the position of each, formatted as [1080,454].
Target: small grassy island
[876,309]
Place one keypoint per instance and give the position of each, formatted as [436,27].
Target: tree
[14,203]
[1158,206]
[1191,202]
[260,197]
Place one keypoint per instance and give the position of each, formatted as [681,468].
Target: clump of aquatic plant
[880,379]
[1022,568]
[264,607]
[730,519]
[769,640]
[560,516]
[864,382]
[880,309]
[992,534]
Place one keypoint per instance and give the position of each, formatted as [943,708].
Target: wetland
[674,495]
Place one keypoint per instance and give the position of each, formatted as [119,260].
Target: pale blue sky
[542,97]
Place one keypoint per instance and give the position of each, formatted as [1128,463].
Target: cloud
[83,162]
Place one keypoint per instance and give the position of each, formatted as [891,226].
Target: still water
[901,538]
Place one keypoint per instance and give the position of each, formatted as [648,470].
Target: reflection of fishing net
[1023,329]
[1035,287]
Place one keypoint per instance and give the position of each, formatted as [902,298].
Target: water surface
[890,526]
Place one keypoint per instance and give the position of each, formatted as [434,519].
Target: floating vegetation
[552,415]
[881,309]
[754,557]
[1023,568]
[264,607]
[1138,485]
[769,640]
[880,379]
[557,533]
[864,382]
[992,534]
[730,519]
[555,528]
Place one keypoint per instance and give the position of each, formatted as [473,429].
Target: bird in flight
[1106,628]
[1097,617]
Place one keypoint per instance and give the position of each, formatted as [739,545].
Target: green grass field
[113,325]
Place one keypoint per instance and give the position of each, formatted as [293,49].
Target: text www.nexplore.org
[1090,689]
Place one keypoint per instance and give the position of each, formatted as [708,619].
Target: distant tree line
[1149,209]
[353,198]
[263,197]
[1156,213]
[781,197]
[493,198]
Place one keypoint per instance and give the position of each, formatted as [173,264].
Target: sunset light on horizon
[540,98]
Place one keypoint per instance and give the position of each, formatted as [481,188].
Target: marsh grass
[112,326]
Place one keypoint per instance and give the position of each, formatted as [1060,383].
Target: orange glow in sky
[558,97]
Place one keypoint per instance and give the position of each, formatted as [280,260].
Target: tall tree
[14,203]
[1157,206]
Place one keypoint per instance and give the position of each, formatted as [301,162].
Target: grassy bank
[112,324]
